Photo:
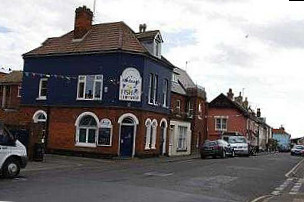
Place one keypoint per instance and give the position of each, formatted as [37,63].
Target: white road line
[297,186]
[275,193]
[292,171]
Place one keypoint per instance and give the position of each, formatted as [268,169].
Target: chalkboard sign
[104,136]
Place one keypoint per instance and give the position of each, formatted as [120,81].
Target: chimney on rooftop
[142,28]
[258,112]
[245,103]
[83,21]
[230,94]
[239,99]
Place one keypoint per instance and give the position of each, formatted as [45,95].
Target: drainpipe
[4,97]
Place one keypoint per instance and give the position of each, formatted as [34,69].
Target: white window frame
[83,79]
[40,97]
[148,125]
[19,91]
[109,126]
[183,137]
[221,118]
[151,93]
[165,93]
[155,89]
[154,134]
[86,144]
[190,109]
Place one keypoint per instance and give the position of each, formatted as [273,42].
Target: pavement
[168,179]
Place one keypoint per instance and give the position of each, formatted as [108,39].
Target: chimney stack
[245,103]
[230,94]
[239,99]
[258,112]
[142,28]
[83,21]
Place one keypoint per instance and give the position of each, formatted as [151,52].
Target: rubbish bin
[38,152]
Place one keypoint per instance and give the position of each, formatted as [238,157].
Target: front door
[126,140]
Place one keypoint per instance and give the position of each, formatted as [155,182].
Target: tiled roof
[176,87]
[101,37]
[184,78]
[13,77]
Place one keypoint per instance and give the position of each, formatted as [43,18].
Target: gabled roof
[176,87]
[101,37]
[222,101]
[12,78]
[279,131]
[184,78]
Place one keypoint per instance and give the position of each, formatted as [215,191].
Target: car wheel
[223,154]
[11,168]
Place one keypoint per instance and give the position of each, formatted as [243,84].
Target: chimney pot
[258,112]
[83,21]
[230,94]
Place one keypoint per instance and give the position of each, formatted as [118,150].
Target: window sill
[88,99]
[181,150]
[41,98]
[85,144]
[104,145]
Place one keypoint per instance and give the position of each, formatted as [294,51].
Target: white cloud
[252,44]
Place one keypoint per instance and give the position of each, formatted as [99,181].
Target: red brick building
[188,109]
[227,114]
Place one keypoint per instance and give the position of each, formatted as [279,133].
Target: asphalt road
[185,180]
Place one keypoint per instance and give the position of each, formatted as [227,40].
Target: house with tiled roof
[282,137]
[101,89]
[10,90]
[233,115]
[188,110]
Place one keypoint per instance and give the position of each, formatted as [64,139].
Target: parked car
[297,150]
[239,143]
[13,155]
[216,148]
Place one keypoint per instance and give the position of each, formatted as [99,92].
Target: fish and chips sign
[130,85]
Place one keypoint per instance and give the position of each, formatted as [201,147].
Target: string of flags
[34,74]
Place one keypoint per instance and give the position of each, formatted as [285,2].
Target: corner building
[101,89]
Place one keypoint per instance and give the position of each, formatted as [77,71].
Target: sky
[252,46]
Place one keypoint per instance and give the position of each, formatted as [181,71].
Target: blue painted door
[126,140]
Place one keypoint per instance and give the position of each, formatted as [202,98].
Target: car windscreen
[299,147]
[209,144]
[236,139]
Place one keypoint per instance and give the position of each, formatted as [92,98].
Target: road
[157,179]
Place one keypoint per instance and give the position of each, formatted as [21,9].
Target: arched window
[151,128]
[148,124]
[86,130]
[154,131]
[39,116]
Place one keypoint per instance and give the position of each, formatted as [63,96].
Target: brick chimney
[246,103]
[230,94]
[258,112]
[239,99]
[83,21]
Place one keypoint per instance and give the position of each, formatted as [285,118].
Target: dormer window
[174,77]
[157,46]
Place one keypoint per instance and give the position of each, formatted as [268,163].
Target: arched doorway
[163,137]
[40,119]
[128,124]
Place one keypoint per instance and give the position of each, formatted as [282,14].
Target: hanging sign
[130,85]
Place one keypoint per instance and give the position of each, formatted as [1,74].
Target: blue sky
[255,46]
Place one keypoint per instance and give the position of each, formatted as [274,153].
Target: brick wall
[62,130]
[236,122]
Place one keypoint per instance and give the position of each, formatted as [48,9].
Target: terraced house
[101,89]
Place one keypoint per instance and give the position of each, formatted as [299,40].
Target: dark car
[216,148]
[297,150]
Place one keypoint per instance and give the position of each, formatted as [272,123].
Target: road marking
[292,171]
[283,186]
[262,198]
[275,193]
[158,174]
[297,186]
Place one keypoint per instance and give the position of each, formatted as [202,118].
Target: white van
[238,142]
[13,154]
